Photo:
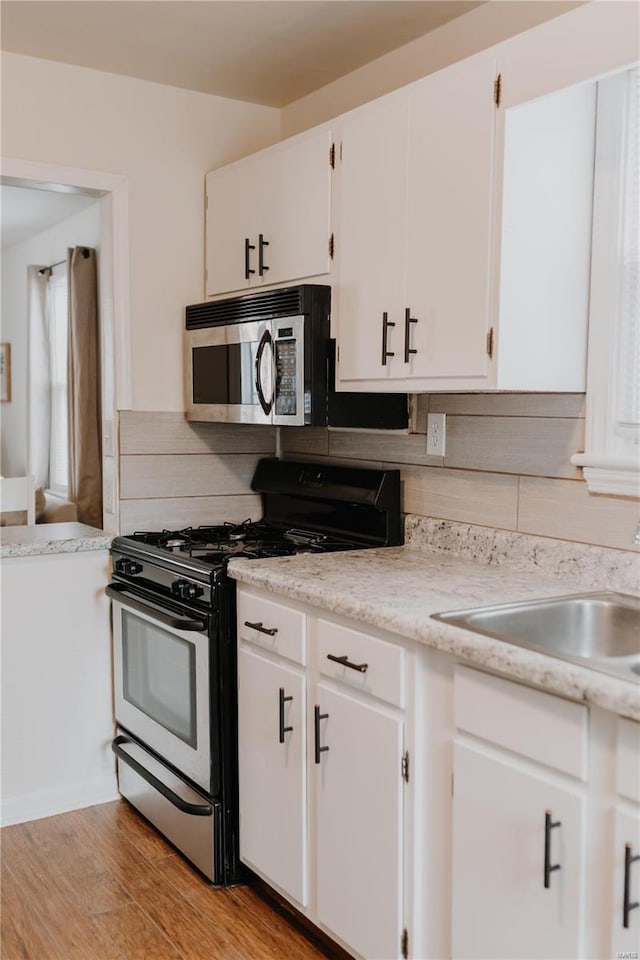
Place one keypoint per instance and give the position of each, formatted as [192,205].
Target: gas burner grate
[253,540]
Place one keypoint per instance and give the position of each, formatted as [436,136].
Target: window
[58,326]
[612,456]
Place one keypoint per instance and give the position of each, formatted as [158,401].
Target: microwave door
[225,381]
[288,354]
[265,380]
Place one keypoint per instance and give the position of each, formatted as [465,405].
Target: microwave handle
[264,340]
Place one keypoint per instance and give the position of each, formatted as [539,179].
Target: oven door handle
[195,809]
[118,592]
[266,405]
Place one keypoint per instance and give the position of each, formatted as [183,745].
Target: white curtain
[39,384]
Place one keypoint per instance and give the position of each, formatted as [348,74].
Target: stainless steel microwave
[267,357]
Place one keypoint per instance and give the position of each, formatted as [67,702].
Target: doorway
[99,203]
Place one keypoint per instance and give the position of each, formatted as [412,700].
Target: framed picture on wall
[5,372]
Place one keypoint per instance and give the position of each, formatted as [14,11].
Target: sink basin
[601,630]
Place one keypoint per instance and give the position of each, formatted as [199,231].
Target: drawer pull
[270,631]
[549,825]
[627,907]
[318,717]
[360,667]
[282,701]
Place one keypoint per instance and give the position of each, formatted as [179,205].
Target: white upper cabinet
[543,253]
[462,216]
[450,189]
[268,216]
[371,237]
[414,235]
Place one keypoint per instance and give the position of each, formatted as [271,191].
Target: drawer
[537,725]
[288,626]
[628,759]
[197,837]
[384,673]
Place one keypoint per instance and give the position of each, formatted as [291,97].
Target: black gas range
[174,619]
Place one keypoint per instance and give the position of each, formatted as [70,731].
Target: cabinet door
[625,941]
[500,906]
[282,195]
[360,824]
[273,824]
[234,196]
[450,163]
[371,239]
[295,180]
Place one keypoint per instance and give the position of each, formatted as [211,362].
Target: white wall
[477,30]
[164,140]
[50,246]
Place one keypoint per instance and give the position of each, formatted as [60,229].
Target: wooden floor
[101,884]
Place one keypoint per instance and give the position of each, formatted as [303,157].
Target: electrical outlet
[436,434]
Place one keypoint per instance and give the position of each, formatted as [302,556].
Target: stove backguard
[345,502]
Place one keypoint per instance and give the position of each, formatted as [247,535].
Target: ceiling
[26,212]
[266,51]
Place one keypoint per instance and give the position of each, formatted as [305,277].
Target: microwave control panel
[286,376]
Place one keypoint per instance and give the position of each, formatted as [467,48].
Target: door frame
[114,295]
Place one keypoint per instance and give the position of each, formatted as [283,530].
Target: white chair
[18,496]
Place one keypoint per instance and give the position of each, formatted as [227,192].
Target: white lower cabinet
[625,862]
[359,794]
[518,861]
[625,919]
[272,738]
[322,788]
[528,853]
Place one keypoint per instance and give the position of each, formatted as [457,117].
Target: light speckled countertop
[398,588]
[48,538]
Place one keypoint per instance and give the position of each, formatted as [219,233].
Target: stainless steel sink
[599,630]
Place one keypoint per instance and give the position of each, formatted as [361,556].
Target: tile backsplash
[178,474]
[507,465]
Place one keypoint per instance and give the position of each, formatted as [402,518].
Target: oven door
[229,373]
[162,681]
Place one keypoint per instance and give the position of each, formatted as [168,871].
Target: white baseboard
[48,803]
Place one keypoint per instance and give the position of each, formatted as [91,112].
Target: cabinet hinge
[404,943]
[332,156]
[405,766]
[490,342]
[332,246]
[340,151]
[497,90]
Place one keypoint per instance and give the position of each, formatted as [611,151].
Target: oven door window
[159,676]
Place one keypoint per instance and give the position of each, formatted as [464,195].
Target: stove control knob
[186,590]
[128,567]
